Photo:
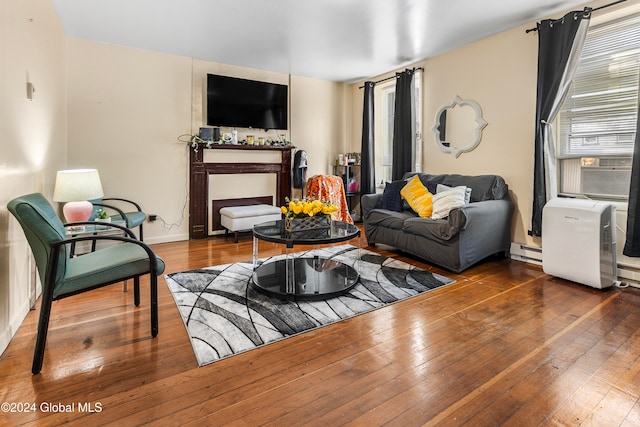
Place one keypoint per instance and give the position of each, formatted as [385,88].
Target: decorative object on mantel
[307,214]
[466,126]
[196,141]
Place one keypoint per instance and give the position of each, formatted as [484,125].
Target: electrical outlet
[153,217]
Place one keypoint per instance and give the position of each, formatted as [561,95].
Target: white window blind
[598,117]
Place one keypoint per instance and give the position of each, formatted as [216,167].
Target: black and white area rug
[224,315]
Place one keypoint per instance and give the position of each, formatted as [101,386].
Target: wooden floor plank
[565,367]
[508,340]
[621,369]
[506,344]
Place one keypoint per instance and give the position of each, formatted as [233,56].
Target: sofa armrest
[368,203]
[489,220]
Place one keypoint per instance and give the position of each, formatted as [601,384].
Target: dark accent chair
[134,218]
[63,276]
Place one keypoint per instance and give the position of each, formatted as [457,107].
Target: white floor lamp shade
[76,187]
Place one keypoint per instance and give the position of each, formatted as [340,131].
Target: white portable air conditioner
[578,241]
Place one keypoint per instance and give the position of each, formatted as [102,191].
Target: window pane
[384,139]
[597,121]
[384,117]
[599,114]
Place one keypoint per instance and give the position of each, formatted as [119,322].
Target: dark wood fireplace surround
[200,172]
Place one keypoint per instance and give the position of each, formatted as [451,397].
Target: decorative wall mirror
[458,126]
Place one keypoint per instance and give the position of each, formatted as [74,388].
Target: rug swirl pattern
[224,315]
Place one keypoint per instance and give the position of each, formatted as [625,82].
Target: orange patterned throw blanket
[329,188]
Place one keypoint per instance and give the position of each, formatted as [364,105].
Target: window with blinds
[598,116]
[384,116]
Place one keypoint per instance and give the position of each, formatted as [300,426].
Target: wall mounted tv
[245,103]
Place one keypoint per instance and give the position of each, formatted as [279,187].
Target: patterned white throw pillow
[445,201]
[467,191]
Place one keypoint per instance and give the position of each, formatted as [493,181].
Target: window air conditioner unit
[604,175]
[578,241]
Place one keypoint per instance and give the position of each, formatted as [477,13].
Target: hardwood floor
[504,345]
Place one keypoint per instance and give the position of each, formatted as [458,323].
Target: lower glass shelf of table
[306,277]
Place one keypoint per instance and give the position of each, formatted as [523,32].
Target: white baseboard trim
[166,239]
[627,274]
[530,254]
[14,323]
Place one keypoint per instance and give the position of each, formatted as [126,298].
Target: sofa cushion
[467,191]
[391,198]
[389,219]
[437,229]
[483,187]
[447,200]
[432,187]
[418,197]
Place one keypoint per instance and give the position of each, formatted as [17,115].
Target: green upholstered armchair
[135,217]
[63,276]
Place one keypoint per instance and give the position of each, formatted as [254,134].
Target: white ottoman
[238,218]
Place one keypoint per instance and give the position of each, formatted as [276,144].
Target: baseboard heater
[525,253]
[627,273]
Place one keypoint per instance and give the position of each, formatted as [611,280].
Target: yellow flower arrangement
[307,208]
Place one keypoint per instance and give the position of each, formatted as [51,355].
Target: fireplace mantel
[199,172]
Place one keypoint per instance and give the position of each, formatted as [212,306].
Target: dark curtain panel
[632,242]
[403,126]
[367,155]
[559,47]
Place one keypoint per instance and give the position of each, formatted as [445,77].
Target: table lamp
[76,187]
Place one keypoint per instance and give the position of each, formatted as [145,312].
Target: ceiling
[335,40]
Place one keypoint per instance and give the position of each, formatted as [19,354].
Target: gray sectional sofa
[477,230]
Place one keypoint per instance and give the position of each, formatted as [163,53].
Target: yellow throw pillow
[418,197]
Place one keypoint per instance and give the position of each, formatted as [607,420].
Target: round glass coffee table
[306,277]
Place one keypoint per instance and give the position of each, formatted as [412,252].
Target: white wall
[318,114]
[506,94]
[127,108]
[33,137]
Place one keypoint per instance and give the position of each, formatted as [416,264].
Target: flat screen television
[245,103]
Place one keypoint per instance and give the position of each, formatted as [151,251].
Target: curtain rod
[391,77]
[586,8]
